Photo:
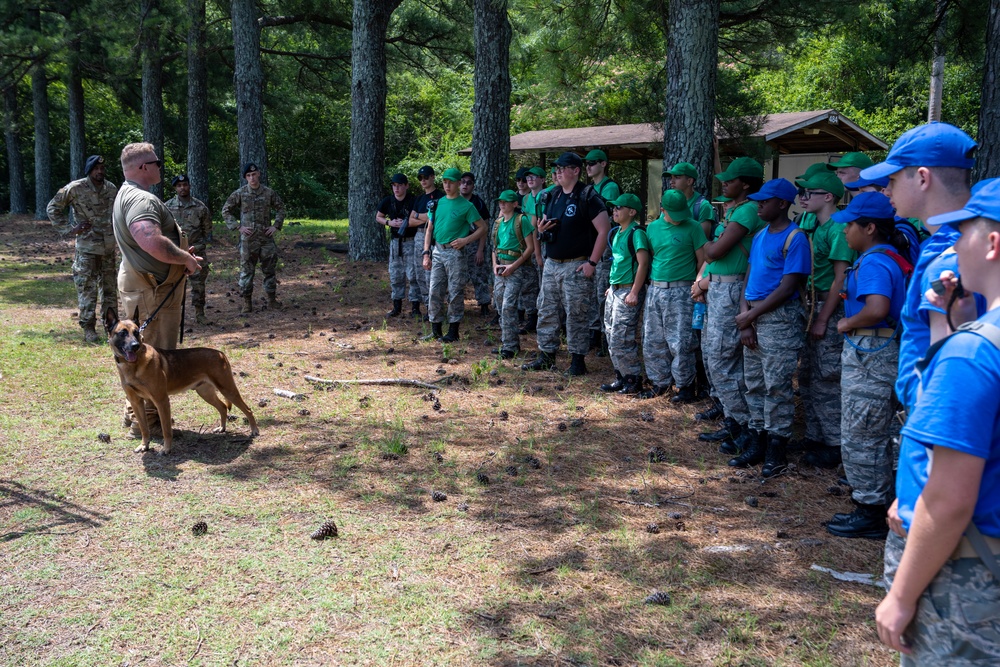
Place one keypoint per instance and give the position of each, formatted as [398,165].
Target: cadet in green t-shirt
[806,220]
[682,177]
[513,246]
[721,285]
[668,341]
[535,178]
[609,190]
[626,293]
[819,371]
[453,223]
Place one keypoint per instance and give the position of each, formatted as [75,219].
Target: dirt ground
[554,530]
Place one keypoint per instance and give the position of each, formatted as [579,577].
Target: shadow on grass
[205,448]
[59,512]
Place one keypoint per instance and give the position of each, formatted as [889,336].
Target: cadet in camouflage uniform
[512,253]
[668,341]
[626,294]
[772,327]
[819,375]
[874,290]
[608,189]
[195,221]
[95,266]
[249,210]
[942,604]
[478,255]
[454,223]
[535,178]
[394,213]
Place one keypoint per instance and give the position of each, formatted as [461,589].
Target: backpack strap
[788,240]
[517,221]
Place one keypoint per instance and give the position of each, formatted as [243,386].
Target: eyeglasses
[806,194]
[591,163]
[158,163]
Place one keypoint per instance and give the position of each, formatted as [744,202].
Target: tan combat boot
[247,305]
[199,315]
[272,302]
[90,333]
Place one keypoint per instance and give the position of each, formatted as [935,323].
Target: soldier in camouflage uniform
[772,326]
[478,255]
[394,213]
[512,251]
[609,190]
[535,178]
[95,266]
[195,220]
[249,210]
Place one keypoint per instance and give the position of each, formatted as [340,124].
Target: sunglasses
[591,163]
[158,163]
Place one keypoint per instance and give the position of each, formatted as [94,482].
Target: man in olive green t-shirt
[453,223]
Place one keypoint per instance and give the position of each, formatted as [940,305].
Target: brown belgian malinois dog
[149,374]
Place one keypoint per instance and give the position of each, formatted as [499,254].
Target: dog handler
[154,260]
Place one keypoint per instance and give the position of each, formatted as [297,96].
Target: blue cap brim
[880,170]
[757,196]
[954,218]
[844,216]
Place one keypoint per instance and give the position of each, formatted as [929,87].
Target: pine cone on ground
[658,597]
[199,529]
[657,455]
[482,478]
[653,528]
[328,529]
[511,470]
[438,496]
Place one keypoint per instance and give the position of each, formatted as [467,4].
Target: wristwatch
[591,262]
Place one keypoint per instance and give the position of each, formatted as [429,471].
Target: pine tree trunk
[249,83]
[692,63]
[988,155]
[368,92]
[15,164]
[77,134]
[491,109]
[152,85]
[43,153]
[197,149]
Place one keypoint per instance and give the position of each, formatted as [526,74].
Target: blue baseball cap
[865,182]
[985,203]
[930,145]
[866,205]
[777,187]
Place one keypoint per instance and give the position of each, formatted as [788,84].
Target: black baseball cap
[469,175]
[568,160]
[399,178]
[248,167]
[425,170]
[180,178]
[521,174]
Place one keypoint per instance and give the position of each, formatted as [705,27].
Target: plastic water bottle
[698,317]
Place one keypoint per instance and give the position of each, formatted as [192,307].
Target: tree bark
[152,84]
[988,155]
[692,63]
[249,83]
[43,153]
[197,148]
[15,164]
[937,65]
[367,153]
[491,108]
[77,133]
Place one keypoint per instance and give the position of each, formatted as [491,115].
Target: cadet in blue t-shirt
[874,289]
[944,592]
[772,326]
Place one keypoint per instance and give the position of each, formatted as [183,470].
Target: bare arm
[718,249]
[642,257]
[875,310]
[146,232]
[603,225]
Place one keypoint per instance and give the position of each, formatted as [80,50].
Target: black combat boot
[822,456]
[865,521]
[775,461]
[712,413]
[738,443]
[754,453]
[452,334]
[632,385]
[616,385]
[688,394]
[435,333]
[654,391]
[530,324]
[577,366]
[415,310]
[543,362]
[730,427]
[397,308]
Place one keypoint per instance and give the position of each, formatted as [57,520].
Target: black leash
[149,319]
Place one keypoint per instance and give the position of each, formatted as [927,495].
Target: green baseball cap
[596,155]
[826,181]
[812,170]
[742,166]
[451,175]
[722,199]
[676,205]
[682,169]
[859,160]
[507,195]
[537,171]
[628,200]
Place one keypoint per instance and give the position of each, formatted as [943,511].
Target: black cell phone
[938,288]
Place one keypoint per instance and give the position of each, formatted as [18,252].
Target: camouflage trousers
[819,382]
[422,274]
[866,422]
[529,288]
[722,350]
[449,274]
[768,370]
[602,281]
[621,327]
[253,250]
[96,279]
[479,274]
[668,341]
[403,267]
[197,281]
[957,621]
[507,291]
[565,290]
